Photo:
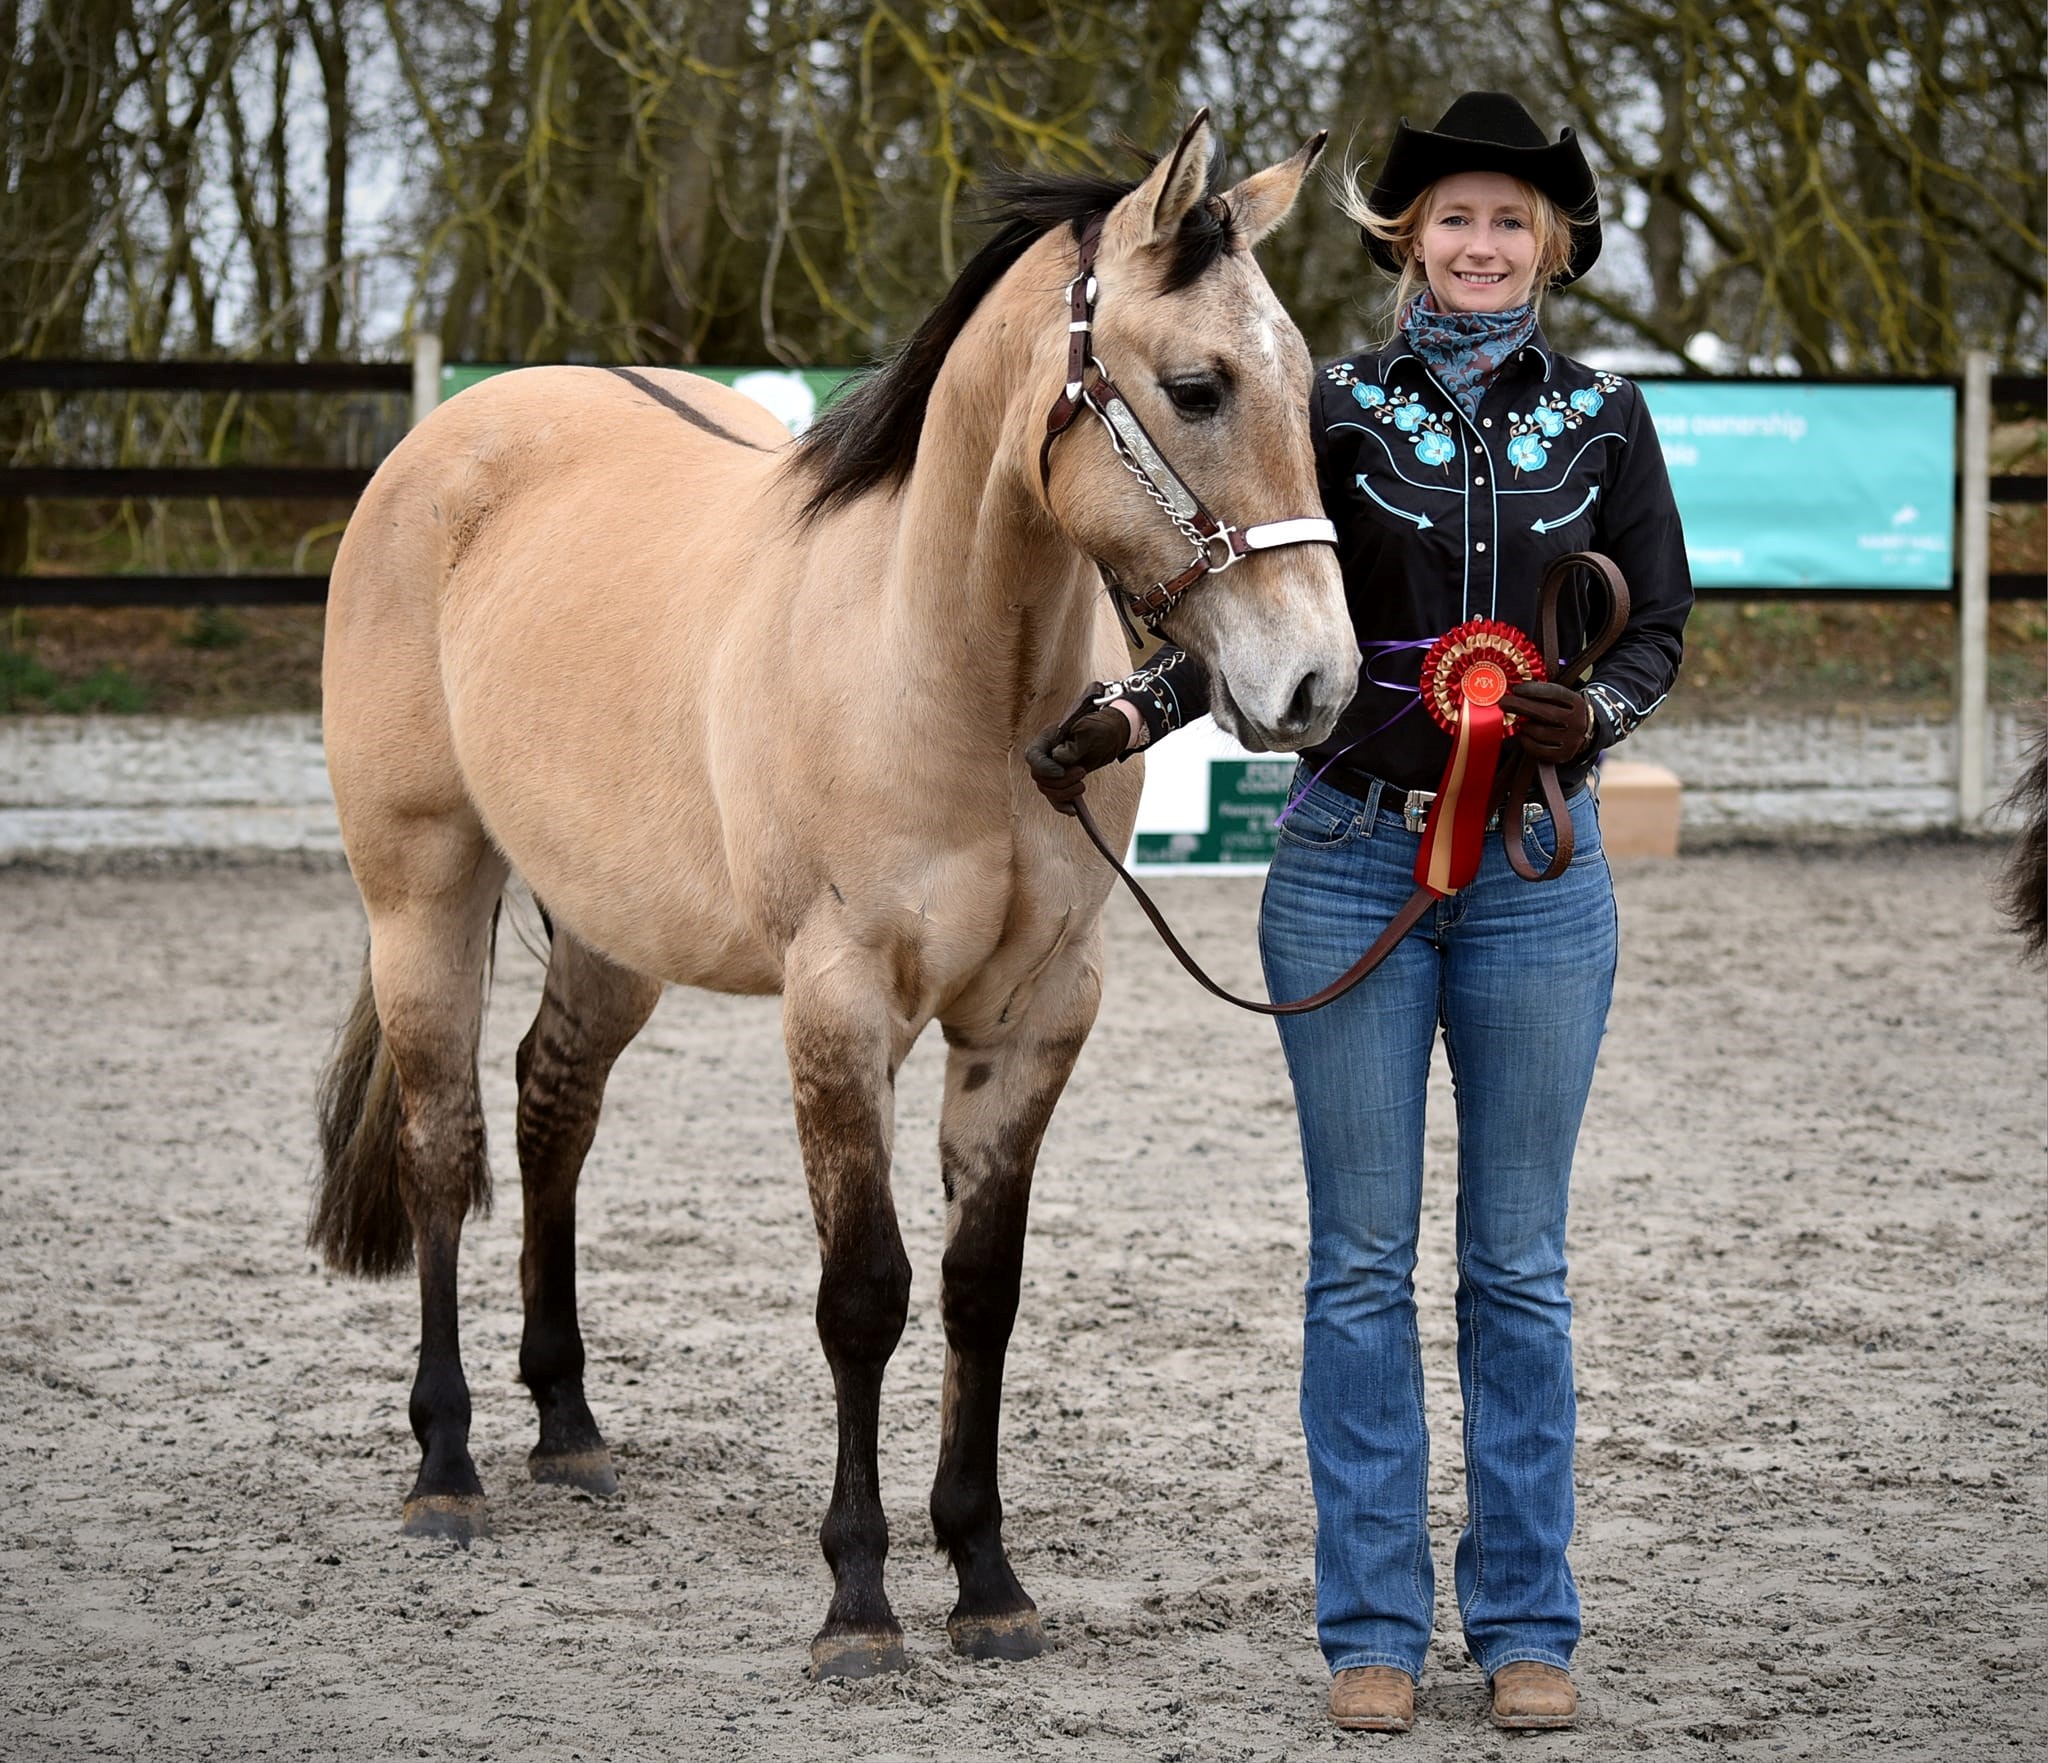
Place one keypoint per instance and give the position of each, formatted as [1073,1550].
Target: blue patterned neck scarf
[1465,349]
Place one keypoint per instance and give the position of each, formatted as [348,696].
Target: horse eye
[1197,397]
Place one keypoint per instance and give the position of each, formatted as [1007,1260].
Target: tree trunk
[330,46]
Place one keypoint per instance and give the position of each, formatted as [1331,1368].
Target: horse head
[1209,362]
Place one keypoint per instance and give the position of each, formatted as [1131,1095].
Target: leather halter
[1216,544]
[1514,793]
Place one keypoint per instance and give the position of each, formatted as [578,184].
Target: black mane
[868,438]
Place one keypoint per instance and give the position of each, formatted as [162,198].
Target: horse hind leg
[1000,1094]
[842,1040]
[591,1008]
[430,908]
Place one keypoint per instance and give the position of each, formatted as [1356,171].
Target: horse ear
[1263,200]
[1152,212]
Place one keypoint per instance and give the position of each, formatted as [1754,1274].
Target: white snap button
[1479,480]
[1481,546]
[1486,422]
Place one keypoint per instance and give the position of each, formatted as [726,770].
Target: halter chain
[1089,387]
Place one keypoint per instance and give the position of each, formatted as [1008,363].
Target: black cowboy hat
[1490,131]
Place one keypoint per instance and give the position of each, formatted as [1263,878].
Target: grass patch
[214,627]
[203,662]
[27,686]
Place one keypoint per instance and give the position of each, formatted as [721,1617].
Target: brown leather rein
[1512,796]
[1216,544]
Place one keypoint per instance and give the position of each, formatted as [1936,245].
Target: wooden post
[1973,603]
[426,374]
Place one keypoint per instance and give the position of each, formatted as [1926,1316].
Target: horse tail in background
[359,1221]
[2023,887]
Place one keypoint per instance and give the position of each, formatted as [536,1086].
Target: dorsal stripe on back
[663,396]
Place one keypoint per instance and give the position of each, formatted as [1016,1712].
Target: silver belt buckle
[1416,813]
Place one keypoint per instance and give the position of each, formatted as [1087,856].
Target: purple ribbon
[1414,697]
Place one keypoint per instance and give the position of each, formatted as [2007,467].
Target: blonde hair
[1401,232]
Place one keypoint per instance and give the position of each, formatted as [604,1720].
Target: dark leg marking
[588,1013]
[994,1618]
[863,1298]
[447,1499]
[986,1167]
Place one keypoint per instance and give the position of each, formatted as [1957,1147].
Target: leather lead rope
[1515,790]
[1514,835]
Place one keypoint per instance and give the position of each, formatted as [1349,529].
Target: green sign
[1245,798]
[1783,484]
[795,394]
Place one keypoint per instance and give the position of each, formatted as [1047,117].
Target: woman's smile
[1478,248]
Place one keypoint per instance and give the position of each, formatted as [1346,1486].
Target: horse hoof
[1018,1634]
[591,1470]
[457,1518]
[857,1655]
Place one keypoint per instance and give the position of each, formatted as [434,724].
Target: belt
[1414,804]
[1415,811]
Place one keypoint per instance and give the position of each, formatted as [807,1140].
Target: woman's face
[1478,247]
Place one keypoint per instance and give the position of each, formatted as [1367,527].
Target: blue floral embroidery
[1429,430]
[1551,415]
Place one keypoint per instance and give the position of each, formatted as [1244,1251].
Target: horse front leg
[841,1036]
[1000,1093]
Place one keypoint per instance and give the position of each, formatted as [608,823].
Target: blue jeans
[1519,976]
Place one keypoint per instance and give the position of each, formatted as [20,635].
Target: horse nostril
[1301,707]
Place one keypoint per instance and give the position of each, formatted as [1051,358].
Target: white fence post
[1973,606]
[426,374]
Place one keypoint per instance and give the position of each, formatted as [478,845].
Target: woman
[1455,462]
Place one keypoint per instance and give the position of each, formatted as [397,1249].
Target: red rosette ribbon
[1465,675]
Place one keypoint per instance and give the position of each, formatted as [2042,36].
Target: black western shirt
[1442,518]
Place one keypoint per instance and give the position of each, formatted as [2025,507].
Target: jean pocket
[1314,826]
[1541,839]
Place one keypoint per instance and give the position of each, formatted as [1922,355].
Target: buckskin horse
[748,714]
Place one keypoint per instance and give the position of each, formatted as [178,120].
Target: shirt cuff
[1150,694]
[1613,719]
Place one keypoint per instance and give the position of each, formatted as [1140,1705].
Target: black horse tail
[359,1221]
[2023,886]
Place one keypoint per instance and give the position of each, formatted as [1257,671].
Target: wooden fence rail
[311,483]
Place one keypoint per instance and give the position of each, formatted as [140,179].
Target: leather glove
[1553,722]
[1061,757]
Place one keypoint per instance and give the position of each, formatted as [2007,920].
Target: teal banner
[795,394]
[1783,484]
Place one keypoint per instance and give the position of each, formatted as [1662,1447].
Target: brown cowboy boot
[1529,1696]
[1373,1698]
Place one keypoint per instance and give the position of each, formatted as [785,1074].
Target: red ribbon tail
[1454,836]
